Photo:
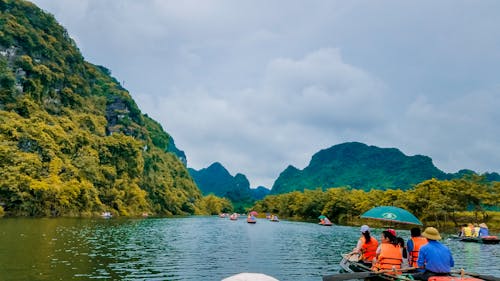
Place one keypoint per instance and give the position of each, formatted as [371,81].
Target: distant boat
[484,239]
[106,215]
[274,218]
[233,216]
[251,219]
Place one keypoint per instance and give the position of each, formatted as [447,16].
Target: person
[366,246]
[388,254]
[475,230]
[414,244]
[434,258]
[467,230]
[483,230]
[401,243]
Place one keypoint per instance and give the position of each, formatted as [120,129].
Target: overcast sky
[260,85]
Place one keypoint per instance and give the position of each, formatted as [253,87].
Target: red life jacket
[368,250]
[418,242]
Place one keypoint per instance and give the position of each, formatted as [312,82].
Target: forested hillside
[360,166]
[72,140]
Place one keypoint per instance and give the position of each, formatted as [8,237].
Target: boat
[274,218]
[484,239]
[351,269]
[106,215]
[233,216]
[251,220]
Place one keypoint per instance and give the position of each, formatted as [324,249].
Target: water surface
[193,248]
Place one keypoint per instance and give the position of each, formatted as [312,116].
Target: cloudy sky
[260,85]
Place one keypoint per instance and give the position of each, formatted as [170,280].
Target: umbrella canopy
[392,214]
[253,213]
[321,217]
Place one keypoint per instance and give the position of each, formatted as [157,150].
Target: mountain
[72,140]
[359,166]
[217,180]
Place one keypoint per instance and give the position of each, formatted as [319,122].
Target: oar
[360,275]
[484,277]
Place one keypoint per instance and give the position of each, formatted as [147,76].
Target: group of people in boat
[474,230]
[422,251]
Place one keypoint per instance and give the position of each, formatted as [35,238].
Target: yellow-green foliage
[72,140]
[213,205]
[440,202]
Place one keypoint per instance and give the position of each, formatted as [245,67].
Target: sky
[261,85]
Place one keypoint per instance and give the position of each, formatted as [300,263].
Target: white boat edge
[246,276]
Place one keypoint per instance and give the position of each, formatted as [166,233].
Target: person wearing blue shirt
[483,230]
[434,257]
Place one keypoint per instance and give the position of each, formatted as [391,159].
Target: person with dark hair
[434,257]
[413,246]
[366,246]
[389,255]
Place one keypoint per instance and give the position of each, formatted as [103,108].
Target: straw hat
[431,233]
[483,225]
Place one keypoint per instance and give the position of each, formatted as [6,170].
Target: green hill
[218,181]
[72,140]
[364,167]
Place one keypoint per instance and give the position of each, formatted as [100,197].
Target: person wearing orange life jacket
[389,254]
[413,245]
[366,246]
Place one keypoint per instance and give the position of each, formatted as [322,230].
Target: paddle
[484,277]
[360,275]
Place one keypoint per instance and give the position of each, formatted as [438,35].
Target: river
[191,248]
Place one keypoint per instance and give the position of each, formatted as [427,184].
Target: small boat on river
[484,239]
[352,269]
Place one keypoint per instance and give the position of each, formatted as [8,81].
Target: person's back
[413,246]
[366,246]
[434,257]
[468,231]
[483,230]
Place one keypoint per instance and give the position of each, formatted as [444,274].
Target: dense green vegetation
[363,167]
[72,140]
[438,202]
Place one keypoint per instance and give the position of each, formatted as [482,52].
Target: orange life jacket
[368,250]
[418,242]
[390,257]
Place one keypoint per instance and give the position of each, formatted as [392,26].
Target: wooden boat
[352,269]
[233,217]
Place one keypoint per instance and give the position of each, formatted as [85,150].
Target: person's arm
[421,258]
[357,249]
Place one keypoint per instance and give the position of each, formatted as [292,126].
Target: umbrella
[253,213]
[321,217]
[392,214]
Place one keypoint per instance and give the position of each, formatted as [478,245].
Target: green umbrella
[391,214]
[321,217]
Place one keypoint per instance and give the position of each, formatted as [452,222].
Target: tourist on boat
[468,230]
[414,244]
[366,246]
[404,252]
[483,230]
[476,230]
[434,257]
[388,254]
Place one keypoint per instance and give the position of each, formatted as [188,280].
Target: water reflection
[195,248]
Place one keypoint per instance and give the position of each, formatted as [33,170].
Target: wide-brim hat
[431,233]
[483,225]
